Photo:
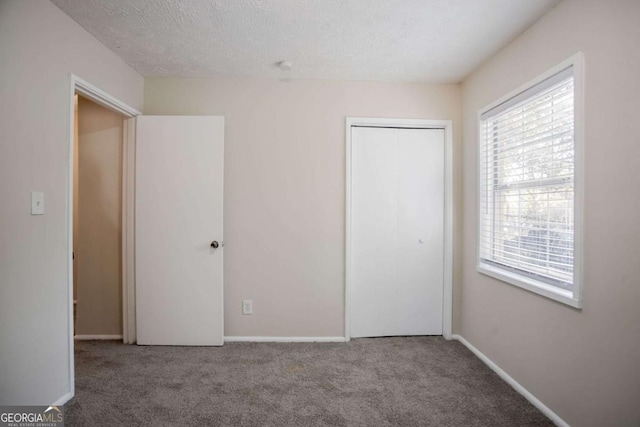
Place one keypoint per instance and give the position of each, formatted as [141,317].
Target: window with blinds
[527,185]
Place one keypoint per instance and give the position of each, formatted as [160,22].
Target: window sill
[540,288]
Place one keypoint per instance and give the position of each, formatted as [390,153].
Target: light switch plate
[37,203]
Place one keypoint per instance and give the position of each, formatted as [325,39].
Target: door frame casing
[100,97]
[447,126]
[128,231]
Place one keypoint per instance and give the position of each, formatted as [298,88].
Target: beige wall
[285,187]
[583,364]
[39,47]
[99,249]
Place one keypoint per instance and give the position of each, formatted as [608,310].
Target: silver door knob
[215,244]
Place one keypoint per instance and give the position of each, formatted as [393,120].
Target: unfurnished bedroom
[319,213]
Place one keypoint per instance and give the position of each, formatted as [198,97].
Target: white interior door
[178,215]
[397,231]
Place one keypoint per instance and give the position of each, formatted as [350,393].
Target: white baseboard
[64,399]
[96,337]
[284,339]
[513,383]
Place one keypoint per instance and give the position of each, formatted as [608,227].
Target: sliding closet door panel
[397,231]
[374,229]
[420,231]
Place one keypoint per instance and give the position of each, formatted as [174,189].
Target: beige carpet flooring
[404,381]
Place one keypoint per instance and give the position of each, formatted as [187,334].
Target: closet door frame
[447,126]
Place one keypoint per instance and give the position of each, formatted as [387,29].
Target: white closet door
[397,231]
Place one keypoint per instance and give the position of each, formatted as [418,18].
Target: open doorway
[81,88]
[97,221]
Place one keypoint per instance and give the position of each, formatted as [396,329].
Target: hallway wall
[99,249]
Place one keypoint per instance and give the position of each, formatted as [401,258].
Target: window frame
[572,298]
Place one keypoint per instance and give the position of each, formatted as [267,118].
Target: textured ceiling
[385,40]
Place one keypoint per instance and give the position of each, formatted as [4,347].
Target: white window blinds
[527,174]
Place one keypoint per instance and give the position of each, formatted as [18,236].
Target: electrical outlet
[247,306]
